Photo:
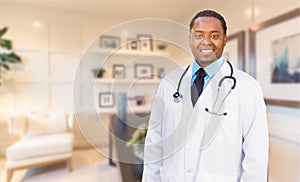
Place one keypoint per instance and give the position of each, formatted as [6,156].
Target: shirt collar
[211,69]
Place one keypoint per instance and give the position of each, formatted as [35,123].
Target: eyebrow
[213,31]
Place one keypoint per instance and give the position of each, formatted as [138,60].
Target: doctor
[222,135]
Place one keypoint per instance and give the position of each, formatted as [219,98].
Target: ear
[225,40]
[190,41]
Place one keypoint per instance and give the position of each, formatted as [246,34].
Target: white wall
[53,51]
[51,43]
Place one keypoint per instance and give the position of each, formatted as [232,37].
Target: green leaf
[3,31]
[4,66]
[11,57]
[6,44]
[14,58]
[4,57]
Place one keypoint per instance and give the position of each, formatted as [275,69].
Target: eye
[198,36]
[215,36]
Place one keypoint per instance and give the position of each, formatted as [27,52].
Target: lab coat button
[189,170]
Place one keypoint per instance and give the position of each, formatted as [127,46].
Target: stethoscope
[178,97]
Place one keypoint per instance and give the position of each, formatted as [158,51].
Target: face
[207,40]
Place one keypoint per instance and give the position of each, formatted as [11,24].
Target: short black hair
[209,13]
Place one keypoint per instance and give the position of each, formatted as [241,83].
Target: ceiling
[178,10]
[130,9]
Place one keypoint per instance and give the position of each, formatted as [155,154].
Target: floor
[88,165]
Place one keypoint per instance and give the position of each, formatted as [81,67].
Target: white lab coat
[187,144]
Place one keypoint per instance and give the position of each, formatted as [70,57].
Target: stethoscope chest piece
[177,97]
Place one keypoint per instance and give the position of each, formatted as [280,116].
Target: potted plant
[98,72]
[137,140]
[6,53]
[7,56]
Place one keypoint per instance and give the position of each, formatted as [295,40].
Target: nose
[206,40]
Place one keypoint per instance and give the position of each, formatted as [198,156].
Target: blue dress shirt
[211,70]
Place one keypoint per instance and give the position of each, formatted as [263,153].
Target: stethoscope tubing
[177,96]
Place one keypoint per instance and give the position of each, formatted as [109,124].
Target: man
[219,136]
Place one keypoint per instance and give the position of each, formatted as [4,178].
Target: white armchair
[46,138]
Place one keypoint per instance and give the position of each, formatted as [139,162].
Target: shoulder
[170,82]
[173,77]
[247,84]
[246,79]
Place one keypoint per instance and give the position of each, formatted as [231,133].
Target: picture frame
[119,71]
[145,42]
[144,71]
[136,100]
[106,99]
[110,42]
[234,50]
[132,44]
[261,50]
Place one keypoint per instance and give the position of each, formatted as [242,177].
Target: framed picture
[137,100]
[110,42]
[275,58]
[132,44]
[143,71]
[106,99]
[145,42]
[119,71]
[235,50]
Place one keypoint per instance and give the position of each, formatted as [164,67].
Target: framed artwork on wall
[235,50]
[106,99]
[275,58]
[119,71]
[110,42]
[132,44]
[143,71]
[145,42]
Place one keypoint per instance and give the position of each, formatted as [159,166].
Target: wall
[46,88]
[51,43]
[284,125]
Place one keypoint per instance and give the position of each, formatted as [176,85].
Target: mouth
[206,50]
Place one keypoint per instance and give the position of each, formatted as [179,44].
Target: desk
[121,131]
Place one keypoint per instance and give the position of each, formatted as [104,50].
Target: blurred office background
[52,35]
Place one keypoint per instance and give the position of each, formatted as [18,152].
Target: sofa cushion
[38,160]
[40,145]
[46,122]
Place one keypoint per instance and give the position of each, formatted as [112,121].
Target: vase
[122,106]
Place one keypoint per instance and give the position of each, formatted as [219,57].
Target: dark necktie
[197,86]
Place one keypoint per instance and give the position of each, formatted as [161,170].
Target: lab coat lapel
[202,127]
[205,124]
[196,128]
[214,102]
[177,138]
[186,109]
[186,89]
